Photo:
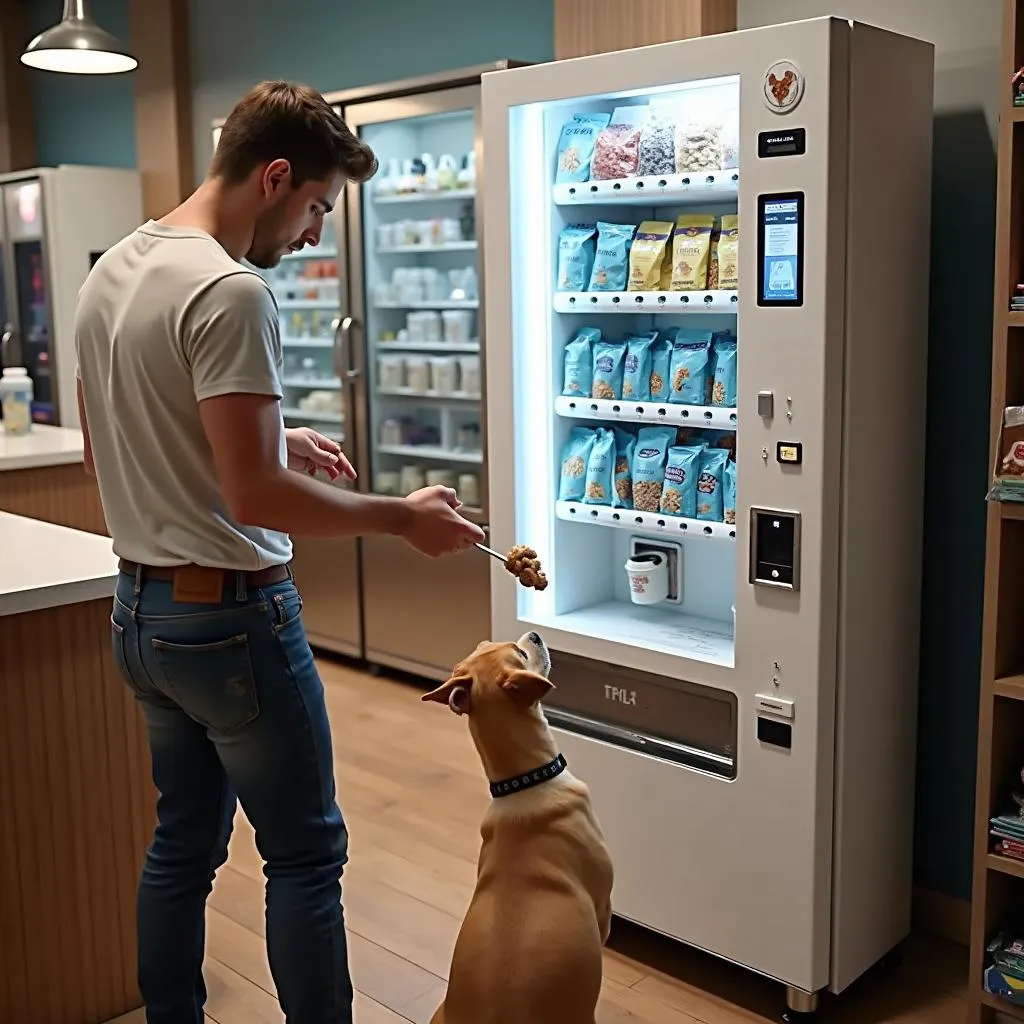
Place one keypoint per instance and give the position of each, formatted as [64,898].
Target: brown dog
[529,951]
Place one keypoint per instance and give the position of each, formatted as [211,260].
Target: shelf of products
[629,412]
[312,415]
[317,253]
[430,452]
[447,396]
[462,347]
[327,383]
[289,342]
[426,197]
[392,250]
[642,522]
[647,302]
[430,304]
[284,304]
[651,190]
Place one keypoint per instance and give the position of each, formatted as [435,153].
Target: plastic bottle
[16,400]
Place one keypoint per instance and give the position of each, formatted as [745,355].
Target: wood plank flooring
[412,792]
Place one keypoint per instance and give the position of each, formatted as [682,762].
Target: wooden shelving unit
[998,897]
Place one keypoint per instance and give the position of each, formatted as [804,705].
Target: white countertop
[46,566]
[41,446]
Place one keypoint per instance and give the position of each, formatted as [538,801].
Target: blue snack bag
[575,457]
[691,350]
[636,376]
[723,373]
[600,469]
[710,484]
[576,146]
[652,444]
[609,365]
[729,494]
[579,363]
[679,495]
[625,445]
[576,249]
[610,272]
[661,367]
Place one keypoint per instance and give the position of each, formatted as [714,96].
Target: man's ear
[455,693]
[526,688]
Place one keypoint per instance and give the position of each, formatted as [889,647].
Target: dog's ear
[526,688]
[455,693]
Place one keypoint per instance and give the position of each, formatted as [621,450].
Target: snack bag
[729,493]
[713,274]
[600,468]
[688,373]
[625,445]
[661,363]
[575,456]
[679,495]
[609,360]
[576,250]
[698,147]
[617,150]
[729,253]
[611,262]
[636,377]
[576,146]
[723,372]
[652,444]
[579,363]
[657,142]
[647,255]
[710,484]
[691,246]
[665,278]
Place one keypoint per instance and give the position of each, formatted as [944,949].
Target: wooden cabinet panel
[65,495]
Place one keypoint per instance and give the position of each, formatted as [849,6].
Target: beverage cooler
[55,222]
[707,283]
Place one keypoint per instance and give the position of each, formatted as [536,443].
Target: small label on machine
[792,142]
[790,452]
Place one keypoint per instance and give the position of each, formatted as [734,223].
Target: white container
[444,375]
[414,325]
[391,433]
[456,324]
[468,490]
[469,368]
[387,481]
[648,578]
[440,478]
[417,373]
[412,479]
[432,326]
[16,400]
[391,372]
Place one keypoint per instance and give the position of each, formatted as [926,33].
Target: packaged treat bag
[661,363]
[575,457]
[579,363]
[611,262]
[636,377]
[688,372]
[679,495]
[576,146]
[576,251]
[657,142]
[698,146]
[729,493]
[625,445]
[691,246]
[1008,471]
[617,150]
[723,372]
[600,469]
[652,445]
[609,360]
[729,253]
[710,483]
[713,277]
[647,254]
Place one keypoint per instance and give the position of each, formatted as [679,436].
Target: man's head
[293,154]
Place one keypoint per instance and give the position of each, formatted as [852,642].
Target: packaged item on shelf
[575,456]
[576,251]
[600,469]
[652,446]
[691,247]
[412,479]
[441,478]
[688,372]
[1008,472]
[579,362]
[710,484]
[444,375]
[469,372]
[636,375]
[723,371]
[447,171]
[390,372]
[609,366]
[716,234]
[417,373]
[729,493]
[469,490]
[661,366]
[617,149]
[625,446]
[611,261]
[698,146]
[647,255]
[576,146]
[682,467]
[456,326]
[729,253]
[387,481]
[392,432]
[657,142]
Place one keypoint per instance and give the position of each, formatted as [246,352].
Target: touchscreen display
[780,249]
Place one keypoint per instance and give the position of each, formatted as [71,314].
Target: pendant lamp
[78,46]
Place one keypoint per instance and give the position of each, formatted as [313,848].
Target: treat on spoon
[523,563]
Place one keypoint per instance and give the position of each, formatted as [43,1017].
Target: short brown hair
[285,121]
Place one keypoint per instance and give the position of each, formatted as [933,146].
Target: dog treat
[648,254]
[610,271]
[576,250]
[636,377]
[691,247]
[652,445]
[600,469]
[688,373]
[661,362]
[657,143]
[609,367]
[575,456]
[722,377]
[576,146]
[579,362]
[523,563]
[617,149]
[710,504]
[729,253]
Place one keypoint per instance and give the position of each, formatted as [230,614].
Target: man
[179,392]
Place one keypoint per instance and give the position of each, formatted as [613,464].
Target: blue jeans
[235,710]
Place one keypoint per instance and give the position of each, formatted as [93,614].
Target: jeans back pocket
[213,683]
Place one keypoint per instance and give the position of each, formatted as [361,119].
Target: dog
[529,949]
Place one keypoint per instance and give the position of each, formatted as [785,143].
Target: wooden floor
[413,795]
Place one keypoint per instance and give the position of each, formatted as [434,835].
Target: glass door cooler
[706,276]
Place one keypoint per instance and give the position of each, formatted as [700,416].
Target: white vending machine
[707,311]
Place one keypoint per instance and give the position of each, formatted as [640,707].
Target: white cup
[648,578]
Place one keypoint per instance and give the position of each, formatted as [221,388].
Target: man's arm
[90,467]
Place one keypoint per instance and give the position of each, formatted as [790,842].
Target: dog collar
[545,773]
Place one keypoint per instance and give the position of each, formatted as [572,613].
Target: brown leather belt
[203,583]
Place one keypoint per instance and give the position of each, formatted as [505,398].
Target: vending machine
[706,265]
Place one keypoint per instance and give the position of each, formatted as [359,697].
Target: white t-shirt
[166,319]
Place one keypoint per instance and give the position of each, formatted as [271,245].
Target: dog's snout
[533,637]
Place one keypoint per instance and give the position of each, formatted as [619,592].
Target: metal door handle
[343,345]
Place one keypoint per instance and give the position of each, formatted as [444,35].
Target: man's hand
[434,526]
[309,452]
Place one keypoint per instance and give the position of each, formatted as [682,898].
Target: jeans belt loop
[241,586]
[137,589]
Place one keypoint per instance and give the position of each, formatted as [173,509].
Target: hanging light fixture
[78,46]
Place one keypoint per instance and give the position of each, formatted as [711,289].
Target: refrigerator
[55,222]
[712,431]
[382,329]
